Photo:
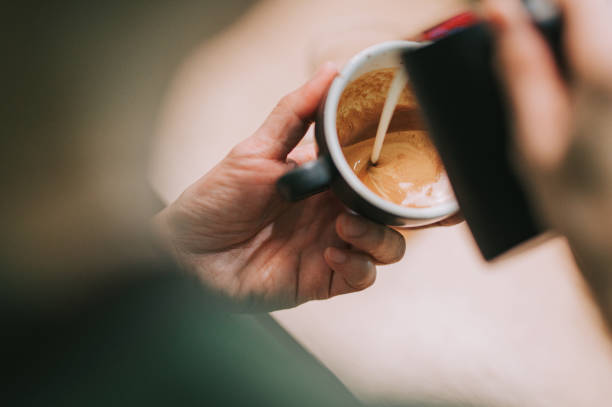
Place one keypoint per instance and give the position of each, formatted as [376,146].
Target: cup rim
[335,150]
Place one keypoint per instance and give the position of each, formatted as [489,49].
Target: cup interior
[348,112]
[361,105]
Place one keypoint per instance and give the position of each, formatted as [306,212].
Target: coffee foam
[409,171]
[427,195]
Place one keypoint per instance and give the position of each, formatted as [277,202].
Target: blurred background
[87,85]
[441,325]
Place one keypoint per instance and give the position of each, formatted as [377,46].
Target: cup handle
[306,180]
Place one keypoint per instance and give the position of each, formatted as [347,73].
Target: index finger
[288,122]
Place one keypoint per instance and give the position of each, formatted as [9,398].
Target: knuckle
[239,150]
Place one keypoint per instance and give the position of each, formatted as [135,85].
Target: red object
[442,30]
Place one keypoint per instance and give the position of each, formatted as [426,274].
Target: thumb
[288,122]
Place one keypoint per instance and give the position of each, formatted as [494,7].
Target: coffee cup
[331,169]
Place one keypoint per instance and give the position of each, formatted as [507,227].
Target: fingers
[453,220]
[288,122]
[382,243]
[357,269]
[536,89]
[586,18]
[303,153]
[589,38]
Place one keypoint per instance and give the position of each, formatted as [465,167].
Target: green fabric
[160,342]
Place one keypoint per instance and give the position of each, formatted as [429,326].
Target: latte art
[408,171]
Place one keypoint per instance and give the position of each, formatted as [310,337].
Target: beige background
[441,324]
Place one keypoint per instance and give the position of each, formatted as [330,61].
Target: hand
[564,132]
[258,251]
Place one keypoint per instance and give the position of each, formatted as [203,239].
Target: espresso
[409,171]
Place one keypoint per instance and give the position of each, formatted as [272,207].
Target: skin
[256,250]
[563,129]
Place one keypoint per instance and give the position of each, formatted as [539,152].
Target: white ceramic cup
[331,168]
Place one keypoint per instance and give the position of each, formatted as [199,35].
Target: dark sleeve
[160,342]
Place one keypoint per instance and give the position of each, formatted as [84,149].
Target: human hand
[256,250]
[564,131]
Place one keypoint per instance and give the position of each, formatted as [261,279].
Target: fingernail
[368,279]
[336,256]
[327,66]
[354,226]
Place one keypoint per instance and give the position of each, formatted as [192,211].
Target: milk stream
[400,80]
